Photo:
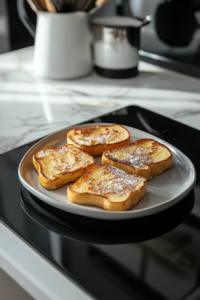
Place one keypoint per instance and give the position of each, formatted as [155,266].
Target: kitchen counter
[31,108]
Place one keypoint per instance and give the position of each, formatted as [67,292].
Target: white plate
[163,190]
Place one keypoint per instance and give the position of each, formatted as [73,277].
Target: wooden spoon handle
[100,3]
[50,7]
[35,5]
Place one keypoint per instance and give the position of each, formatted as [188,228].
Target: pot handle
[25,18]
[146,21]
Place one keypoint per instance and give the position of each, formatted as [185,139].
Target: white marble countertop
[31,107]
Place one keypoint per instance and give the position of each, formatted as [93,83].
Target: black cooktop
[155,257]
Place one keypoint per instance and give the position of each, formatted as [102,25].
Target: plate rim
[103,214]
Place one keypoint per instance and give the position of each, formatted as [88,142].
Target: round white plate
[163,190]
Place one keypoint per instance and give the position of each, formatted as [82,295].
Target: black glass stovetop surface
[155,257]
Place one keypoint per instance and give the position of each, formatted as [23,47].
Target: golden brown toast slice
[95,140]
[144,157]
[109,188]
[58,166]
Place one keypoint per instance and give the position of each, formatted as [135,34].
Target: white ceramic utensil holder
[62,45]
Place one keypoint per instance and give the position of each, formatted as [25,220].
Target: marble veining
[32,107]
[184,113]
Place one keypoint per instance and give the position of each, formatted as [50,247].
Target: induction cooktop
[155,257]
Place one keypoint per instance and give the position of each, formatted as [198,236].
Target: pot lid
[118,22]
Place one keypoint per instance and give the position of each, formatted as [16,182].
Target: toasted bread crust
[61,178]
[103,200]
[100,147]
[152,168]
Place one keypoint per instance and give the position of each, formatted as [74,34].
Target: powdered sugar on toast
[50,151]
[98,135]
[67,158]
[110,180]
[138,158]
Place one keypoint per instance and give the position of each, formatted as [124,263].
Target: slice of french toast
[144,157]
[95,140]
[109,188]
[58,166]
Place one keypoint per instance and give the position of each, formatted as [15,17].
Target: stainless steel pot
[116,42]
